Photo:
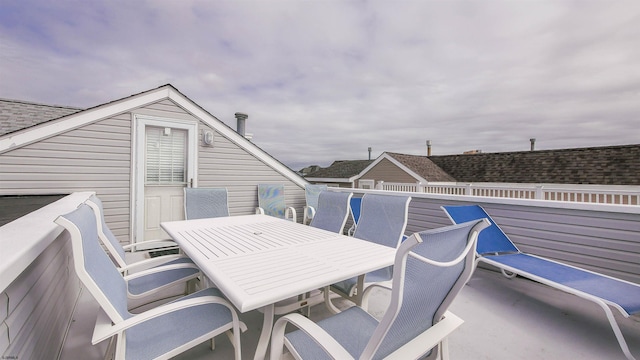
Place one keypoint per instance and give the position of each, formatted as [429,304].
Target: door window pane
[166,156]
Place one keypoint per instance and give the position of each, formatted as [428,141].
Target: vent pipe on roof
[533,143]
[369,152]
[428,147]
[241,119]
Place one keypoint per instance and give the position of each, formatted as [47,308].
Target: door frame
[140,122]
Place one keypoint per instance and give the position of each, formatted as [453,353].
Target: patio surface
[508,319]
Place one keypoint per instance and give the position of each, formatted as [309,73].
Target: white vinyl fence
[599,194]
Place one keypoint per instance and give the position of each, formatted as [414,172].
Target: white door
[166,164]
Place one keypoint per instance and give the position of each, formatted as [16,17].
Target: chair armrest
[321,337]
[290,213]
[102,332]
[428,339]
[259,211]
[160,269]
[149,263]
[308,213]
[369,287]
[161,244]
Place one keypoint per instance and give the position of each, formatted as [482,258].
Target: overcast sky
[325,80]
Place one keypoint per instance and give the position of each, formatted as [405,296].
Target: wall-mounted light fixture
[207,137]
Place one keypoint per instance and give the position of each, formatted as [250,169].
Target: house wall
[226,164]
[95,157]
[387,171]
[98,157]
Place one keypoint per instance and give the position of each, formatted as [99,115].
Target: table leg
[359,290]
[265,335]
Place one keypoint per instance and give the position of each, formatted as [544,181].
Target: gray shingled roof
[17,115]
[422,166]
[608,165]
[341,169]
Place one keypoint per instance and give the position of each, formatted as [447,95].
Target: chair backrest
[311,193]
[104,233]
[354,207]
[383,219]
[271,199]
[94,268]
[332,211]
[492,240]
[201,203]
[431,267]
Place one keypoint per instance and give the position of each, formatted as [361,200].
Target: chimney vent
[428,147]
[533,143]
[241,119]
[369,152]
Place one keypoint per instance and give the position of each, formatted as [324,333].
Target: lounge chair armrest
[290,213]
[428,339]
[149,263]
[103,332]
[159,269]
[322,338]
[259,211]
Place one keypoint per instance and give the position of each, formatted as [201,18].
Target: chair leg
[111,349]
[443,349]
[327,301]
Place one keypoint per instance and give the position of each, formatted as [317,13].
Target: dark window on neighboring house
[13,207]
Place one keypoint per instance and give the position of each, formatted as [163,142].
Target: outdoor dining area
[320,288]
[347,280]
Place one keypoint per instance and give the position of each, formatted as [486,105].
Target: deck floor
[506,319]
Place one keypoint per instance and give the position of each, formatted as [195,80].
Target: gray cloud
[325,80]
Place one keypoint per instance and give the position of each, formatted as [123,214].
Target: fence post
[539,192]
[419,187]
[467,189]
[379,185]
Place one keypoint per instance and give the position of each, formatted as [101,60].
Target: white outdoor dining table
[258,260]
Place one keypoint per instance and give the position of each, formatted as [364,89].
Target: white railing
[599,194]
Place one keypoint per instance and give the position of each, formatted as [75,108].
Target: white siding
[226,164]
[95,157]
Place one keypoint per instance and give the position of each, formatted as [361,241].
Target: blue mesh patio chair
[271,202]
[354,207]
[202,203]
[331,215]
[332,211]
[495,248]
[383,220]
[158,333]
[431,267]
[311,193]
[147,276]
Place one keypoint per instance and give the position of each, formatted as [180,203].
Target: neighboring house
[401,168]
[342,173]
[607,165]
[137,154]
